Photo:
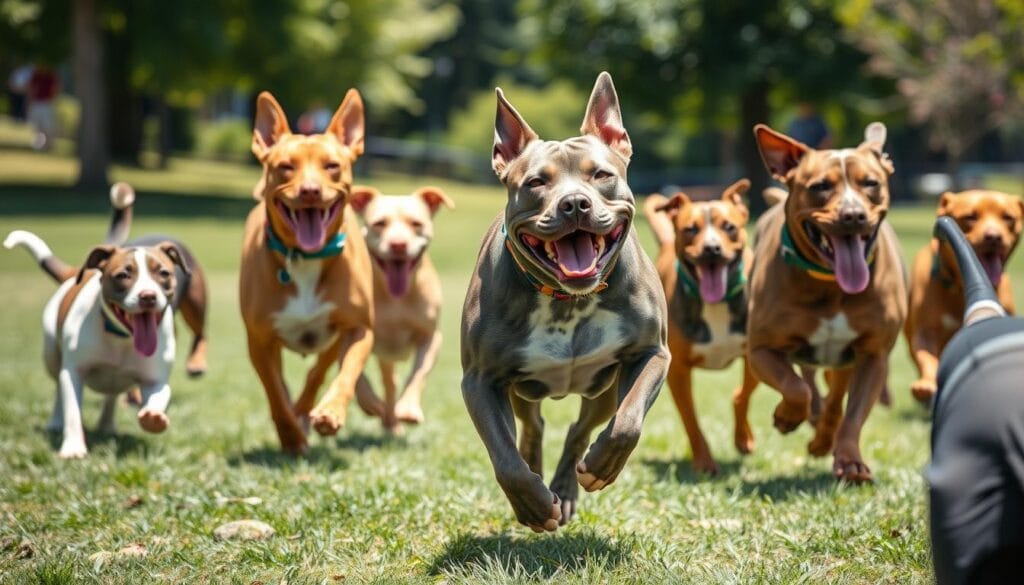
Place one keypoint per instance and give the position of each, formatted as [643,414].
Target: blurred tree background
[152,79]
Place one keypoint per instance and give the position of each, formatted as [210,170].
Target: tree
[92,146]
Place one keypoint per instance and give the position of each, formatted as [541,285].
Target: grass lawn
[424,507]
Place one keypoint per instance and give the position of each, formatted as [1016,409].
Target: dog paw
[744,439]
[789,415]
[153,421]
[534,505]
[326,421]
[849,466]
[72,450]
[923,390]
[820,445]
[133,397]
[567,492]
[408,412]
[296,446]
[705,464]
[195,367]
[604,461]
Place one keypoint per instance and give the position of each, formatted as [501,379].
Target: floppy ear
[361,197]
[734,193]
[270,125]
[98,256]
[511,134]
[944,203]
[780,153]
[174,253]
[348,124]
[434,198]
[874,140]
[604,119]
[674,204]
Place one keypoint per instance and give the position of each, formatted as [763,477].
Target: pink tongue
[576,253]
[712,282]
[850,265]
[309,230]
[144,332]
[398,274]
[993,266]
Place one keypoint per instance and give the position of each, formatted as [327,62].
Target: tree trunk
[165,137]
[753,110]
[87,59]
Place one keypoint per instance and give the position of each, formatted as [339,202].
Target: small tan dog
[992,223]
[406,296]
[703,262]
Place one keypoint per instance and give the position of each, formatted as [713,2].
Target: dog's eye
[869,183]
[691,230]
[164,273]
[332,167]
[601,174]
[536,183]
[970,217]
[380,224]
[123,275]
[821,187]
[1008,218]
[285,168]
[416,225]
[729,227]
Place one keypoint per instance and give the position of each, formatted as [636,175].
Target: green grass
[423,507]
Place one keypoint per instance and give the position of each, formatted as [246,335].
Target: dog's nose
[853,217]
[399,247]
[578,204]
[147,299]
[310,190]
[713,249]
[992,237]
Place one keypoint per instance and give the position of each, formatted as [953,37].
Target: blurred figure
[42,90]
[17,88]
[315,119]
[809,127]
[976,476]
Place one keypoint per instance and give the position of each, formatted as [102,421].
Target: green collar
[691,287]
[333,247]
[111,324]
[791,255]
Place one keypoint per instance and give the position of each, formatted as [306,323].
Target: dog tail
[42,253]
[979,296]
[122,197]
[661,224]
[774,195]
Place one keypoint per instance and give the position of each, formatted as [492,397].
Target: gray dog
[562,301]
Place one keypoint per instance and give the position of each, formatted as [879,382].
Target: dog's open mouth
[398,273]
[712,278]
[847,253]
[577,255]
[992,262]
[142,325]
[309,224]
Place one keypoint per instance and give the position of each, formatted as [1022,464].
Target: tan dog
[827,288]
[306,282]
[406,297]
[703,264]
[992,223]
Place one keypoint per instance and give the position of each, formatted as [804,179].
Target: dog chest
[571,348]
[304,324]
[829,344]
[725,344]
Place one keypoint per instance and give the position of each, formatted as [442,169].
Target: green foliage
[227,139]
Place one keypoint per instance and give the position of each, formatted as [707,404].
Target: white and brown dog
[406,297]
[108,327]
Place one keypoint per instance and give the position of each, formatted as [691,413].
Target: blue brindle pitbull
[562,301]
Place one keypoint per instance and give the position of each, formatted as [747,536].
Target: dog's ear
[434,198]
[734,193]
[348,124]
[780,153]
[945,201]
[173,251]
[97,257]
[674,203]
[604,119]
[511,134]
[874,140]
[270,125]
[361,197]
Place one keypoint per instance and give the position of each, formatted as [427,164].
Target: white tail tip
[122,195]
[33,243]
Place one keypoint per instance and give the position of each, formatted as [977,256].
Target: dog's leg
[56,422]
[869,374]
[73,445]
[193,310]
[329,415]
[638,386]
[106,424]
[153,413]
[831,412]
[408,409]
[592,413]
[314,379]
[809,375]
[531,443]
[680,382]
[772,368]
[743,437]
[924,347]
[367,399]
[389,378]
[266,360]
[491,411]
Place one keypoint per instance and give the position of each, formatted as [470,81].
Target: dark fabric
[810,130]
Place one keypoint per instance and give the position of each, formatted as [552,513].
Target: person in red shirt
[42,90]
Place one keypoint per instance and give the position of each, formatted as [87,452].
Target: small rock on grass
[243,530]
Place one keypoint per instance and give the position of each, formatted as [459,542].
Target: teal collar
[333,247]
[691,287]
[111,324]
[791,255]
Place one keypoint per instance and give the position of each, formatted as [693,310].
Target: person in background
[315,119]
[43,87]
[809,127]
[17,87]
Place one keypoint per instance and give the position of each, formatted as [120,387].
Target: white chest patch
[304,324]
[831,339]
[566,354]
[725,346]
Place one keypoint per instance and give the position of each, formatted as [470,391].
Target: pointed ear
[98,256]
[674,204]
[434,198]
[734,193]
[511,134]
[780,153]
[270,125]
[874,140]
[604,119]
[174,253]
[361,197]
[348,124]
[945,202]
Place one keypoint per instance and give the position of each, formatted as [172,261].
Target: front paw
[72,449]
[820,445]
[849,466]
[153,421]
[534,505]
[327,421]
[604,461]
[923,390]
[566,491]
[409,412]
[744,439]
[788,415]
[705,463]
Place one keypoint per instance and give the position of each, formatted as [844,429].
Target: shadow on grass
[537,556]
[55,200]
[334,454]
[779,488]
[681,470]
[125,445]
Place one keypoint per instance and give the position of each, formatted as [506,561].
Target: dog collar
[333,247]
[111,324]
[545,289]
[691,287]
[792,256]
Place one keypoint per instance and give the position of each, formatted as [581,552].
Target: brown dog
[827,288]
[406,297]
[703,262]
[306,282]
[992,223]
